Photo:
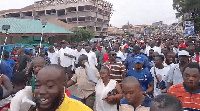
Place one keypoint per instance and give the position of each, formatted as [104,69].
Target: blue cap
[138,59]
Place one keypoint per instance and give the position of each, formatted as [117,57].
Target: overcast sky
[137,12]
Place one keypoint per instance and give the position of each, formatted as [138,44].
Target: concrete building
[92,14]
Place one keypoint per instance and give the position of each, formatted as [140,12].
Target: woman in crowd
[108,92]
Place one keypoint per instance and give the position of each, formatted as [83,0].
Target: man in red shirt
[188,92]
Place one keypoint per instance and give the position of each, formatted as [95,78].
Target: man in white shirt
[23,99]
[175,72]
[160,74]
[66,58]
[92,59]
[120,55]
[79,51]
[53,56]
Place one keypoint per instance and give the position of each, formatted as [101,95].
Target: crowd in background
[156,73]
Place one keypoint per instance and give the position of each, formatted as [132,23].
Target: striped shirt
[117,72]
[190,101]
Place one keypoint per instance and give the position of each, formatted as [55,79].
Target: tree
[82,34]
[188,10]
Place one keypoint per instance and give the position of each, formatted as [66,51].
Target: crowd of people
[154,73]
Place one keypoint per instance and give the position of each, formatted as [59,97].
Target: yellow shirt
[72,105]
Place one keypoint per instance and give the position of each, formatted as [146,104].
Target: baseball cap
[126,46]
[138,59]
[183,53]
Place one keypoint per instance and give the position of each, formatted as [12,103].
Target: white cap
[183,53]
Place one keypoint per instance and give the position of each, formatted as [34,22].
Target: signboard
[189,27]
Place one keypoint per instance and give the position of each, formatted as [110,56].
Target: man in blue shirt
[142,75]
[7,59]
[6,69]
[134,95]
[136,52]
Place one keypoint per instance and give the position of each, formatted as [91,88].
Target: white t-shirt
[22,101]
[53,57]
[66,61]
[92,59]
[162,74]
[78,54]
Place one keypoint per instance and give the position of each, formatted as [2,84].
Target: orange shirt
[190,101]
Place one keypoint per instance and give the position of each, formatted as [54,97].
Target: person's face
[170,58]
[51,50]
[113,57]
[138,66]
[164,50]
[64,45]
[37,67]
[191,77]
[132,93]
[82,60]
[49,89]
[176,44]
[87,49]
[183,59]
[137,51]
[79,48]
[157,61]
[104,74]
[151,53]
[116,47]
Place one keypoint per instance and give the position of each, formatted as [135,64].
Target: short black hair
[192,65]
[165,101]
[19,78]
[161,57]
[169,52]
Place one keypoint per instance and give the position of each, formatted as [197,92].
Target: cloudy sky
[137,12]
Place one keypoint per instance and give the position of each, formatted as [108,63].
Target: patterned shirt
[118,71]
[190,101]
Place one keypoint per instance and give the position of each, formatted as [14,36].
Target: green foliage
[191,7]
[82,34]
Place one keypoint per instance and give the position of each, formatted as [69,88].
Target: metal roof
[30,26]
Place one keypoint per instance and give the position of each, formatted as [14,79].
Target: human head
[82,58]
[21,52]
[164,50]
[183,57]
[19,81]
[158,60]
[49,89]
[112,56]
[137,50]
[191,75]
[116,47]
[138,63]
[38,64]
[176,44]
[104,72]
[166,102]
[51,49]
[64,44]
[151,51]
[87,48]
[6,55]
[132,90]
[170,57]
[79,48]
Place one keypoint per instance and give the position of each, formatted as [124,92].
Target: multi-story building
[92,14]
